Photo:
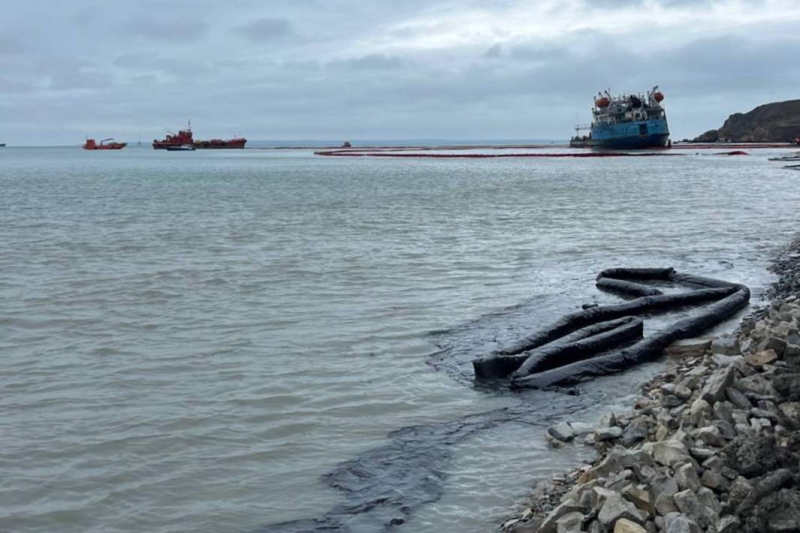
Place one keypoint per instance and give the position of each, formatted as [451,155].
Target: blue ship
[626,122]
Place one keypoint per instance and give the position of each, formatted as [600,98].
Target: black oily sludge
[383,487]
[553,357]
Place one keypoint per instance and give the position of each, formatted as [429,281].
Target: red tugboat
[181,138]
[91,144]
[184,137]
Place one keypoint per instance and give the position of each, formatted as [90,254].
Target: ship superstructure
[628,121]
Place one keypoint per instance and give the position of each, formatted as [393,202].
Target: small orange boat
[91,144]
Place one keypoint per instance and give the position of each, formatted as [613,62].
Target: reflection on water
[212,342]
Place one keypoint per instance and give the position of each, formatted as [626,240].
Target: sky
[379,69]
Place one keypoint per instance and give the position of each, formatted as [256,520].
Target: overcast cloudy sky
[380,69]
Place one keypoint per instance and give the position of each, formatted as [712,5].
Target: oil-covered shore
[713,443]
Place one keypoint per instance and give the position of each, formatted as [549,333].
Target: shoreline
[711,445]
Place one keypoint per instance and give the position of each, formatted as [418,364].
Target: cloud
[369,63]
[265,29]
[382,69]
[494,51]
[174,31]
[12,44]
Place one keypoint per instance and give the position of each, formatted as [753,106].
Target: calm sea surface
[230,341]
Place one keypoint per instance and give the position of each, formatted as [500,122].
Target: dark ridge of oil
[384,486]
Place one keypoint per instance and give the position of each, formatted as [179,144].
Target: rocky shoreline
[712,445]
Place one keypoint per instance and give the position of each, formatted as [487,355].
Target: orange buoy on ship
[602,102]
[658,96]
[91,144]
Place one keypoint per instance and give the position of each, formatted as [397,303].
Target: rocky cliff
[775,122]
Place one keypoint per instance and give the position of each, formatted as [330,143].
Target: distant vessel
[91,144]
[180,148]
[625,122]
[172,139]
[2,145]
[186,136]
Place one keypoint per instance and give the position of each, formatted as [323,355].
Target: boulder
[741,488]
[670,401]
[743,368]
[772,343]
[550,524]
[701,454]
[760,424]
[759,359]
[575,494]
[714,480]
[710,435]
[720,380]
[725,429]
[791,411]
[617,460]
[714,463]
[616,507]
[686,477]
[788,386]
[688,348]
[562,432]
[678,523]
[723,411]
[624,525]
[531,526]
[729,524]
[620,480]
[690,505]
[607,421]
[665,418]
[600,495]
[665,505]
[606,434]
[729,473]
[763,413]
[786,516]
[570,523]
[636,431]
[707,497]
[639,496]
[667,452]
[757,385]
[725,360]
[662,488]
[751,456]
[728,345]
[699,412]
[738,398]
[792,352]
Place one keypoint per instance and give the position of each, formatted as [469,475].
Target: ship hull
[233,144]
[115,146]
[636,135]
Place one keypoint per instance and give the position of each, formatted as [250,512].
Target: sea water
[265,340]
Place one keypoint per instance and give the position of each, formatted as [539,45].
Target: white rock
[562,432]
